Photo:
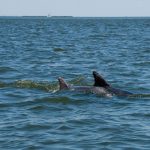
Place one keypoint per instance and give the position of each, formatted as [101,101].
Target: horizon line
[65,16]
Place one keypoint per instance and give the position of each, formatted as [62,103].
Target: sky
[83,8]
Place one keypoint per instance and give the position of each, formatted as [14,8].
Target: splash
[28,84]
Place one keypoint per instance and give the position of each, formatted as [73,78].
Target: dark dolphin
[100,82]
[100,87]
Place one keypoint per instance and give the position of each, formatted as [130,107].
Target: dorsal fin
[99,81]
[62,84]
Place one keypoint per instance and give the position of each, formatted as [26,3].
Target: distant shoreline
[68,17]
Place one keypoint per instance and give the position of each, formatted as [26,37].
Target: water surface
[35,52]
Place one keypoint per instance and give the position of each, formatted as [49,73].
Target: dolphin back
[99,80]
[118,92]
[62,84]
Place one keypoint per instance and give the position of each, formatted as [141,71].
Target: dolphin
[100,82]
[100,87]
[63,85]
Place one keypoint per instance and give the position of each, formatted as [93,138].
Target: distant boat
[48,15]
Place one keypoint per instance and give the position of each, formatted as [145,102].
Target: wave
[140,96]
[58,49]
[31,85]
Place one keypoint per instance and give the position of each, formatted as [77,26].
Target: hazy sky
[75,7]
